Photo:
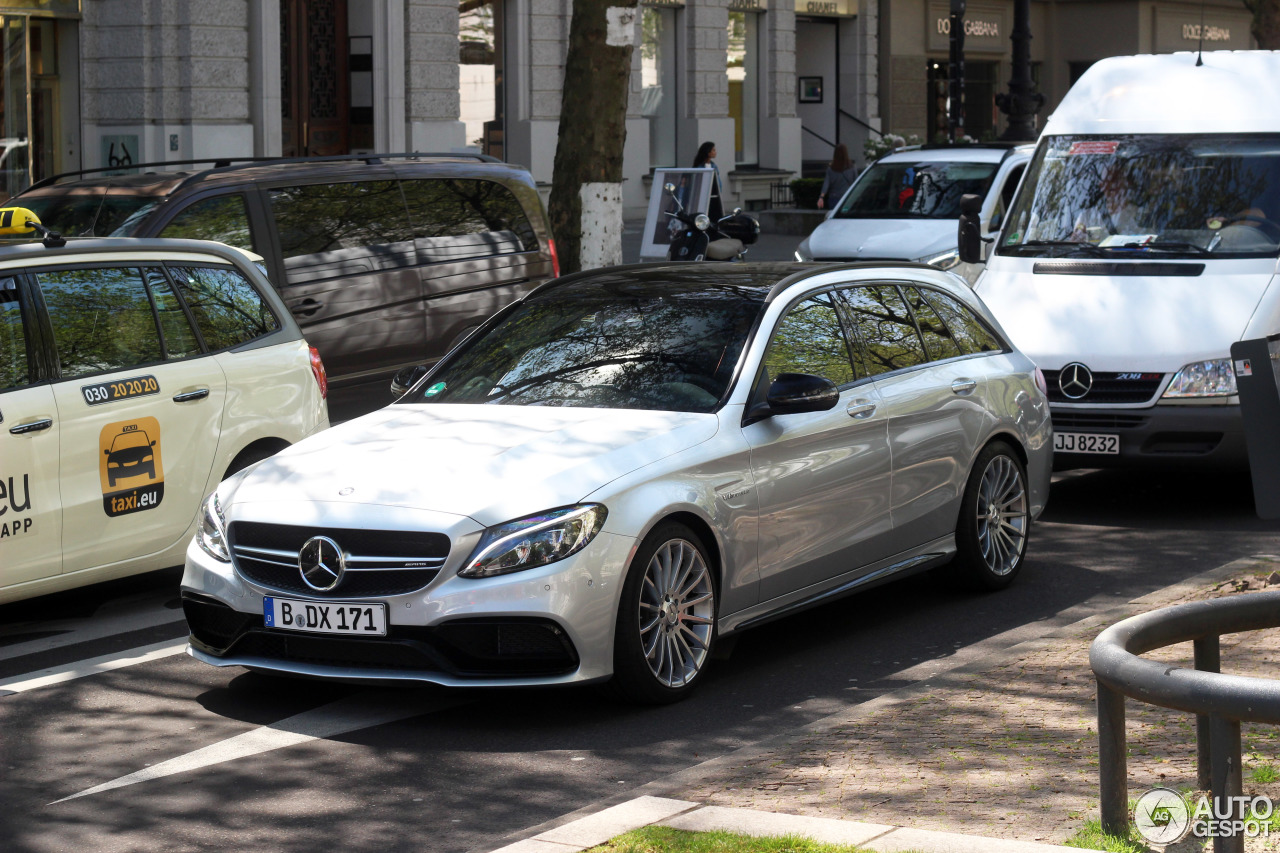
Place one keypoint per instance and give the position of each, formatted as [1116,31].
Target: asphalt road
[169,754]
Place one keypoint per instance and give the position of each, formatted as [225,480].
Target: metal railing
[780,194]
[1220,702]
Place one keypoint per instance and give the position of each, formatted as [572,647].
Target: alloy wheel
[677,613]
[1002,515]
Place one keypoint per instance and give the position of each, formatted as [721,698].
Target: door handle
[31,426]
[187,396]
[861,408]
[964,386]
[307,307]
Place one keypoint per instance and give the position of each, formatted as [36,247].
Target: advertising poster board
[692,188]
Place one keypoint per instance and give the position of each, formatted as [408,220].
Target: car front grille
[1065,420]
[1108,388]
[378,562]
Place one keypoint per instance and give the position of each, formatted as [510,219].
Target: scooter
[696,238]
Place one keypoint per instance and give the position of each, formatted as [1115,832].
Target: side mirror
[793,393]
[406,378]
[969,230]
[669,187]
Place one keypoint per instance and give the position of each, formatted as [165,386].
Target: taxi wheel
[666,620]
[995,520]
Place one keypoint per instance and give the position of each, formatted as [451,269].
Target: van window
[1175,194]
[222,218]
[228,310]
[351,228]
[884,326]
[462,218]
[14,372]
[102,319]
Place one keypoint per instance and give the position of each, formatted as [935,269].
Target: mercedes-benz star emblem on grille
[1075,380]
[321,562]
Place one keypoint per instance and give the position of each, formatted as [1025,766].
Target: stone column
[431,76]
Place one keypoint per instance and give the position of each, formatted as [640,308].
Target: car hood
[492,463]
[1123,323]
[899,239]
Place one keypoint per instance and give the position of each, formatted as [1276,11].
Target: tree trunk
[586,189]
[1266,22]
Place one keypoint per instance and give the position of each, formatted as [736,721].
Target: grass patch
[1092,837]
[663,839]
[1264,774]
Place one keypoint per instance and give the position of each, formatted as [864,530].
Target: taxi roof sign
[20,222]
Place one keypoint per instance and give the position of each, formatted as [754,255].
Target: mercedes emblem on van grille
[1075,380]
[321,562]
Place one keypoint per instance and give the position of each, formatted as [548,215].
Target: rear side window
[227,308]
[880,319]
[455,219]
[14,368]
[102,319]
[971,334]
[938,341]
[341,229]
[221,218]
[176,334]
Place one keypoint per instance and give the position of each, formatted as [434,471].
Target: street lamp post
[955,72]
[1021,102]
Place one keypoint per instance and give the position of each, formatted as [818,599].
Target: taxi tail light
[317,370]
[555,258]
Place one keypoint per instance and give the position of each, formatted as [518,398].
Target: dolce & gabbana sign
[985,29]
[1220,30]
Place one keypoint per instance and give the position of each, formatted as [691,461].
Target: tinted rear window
[91,215]
[456,218]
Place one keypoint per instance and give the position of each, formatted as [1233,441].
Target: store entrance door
[315,101]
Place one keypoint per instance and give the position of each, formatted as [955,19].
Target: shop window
[744,85]
[480,73]
[658,82]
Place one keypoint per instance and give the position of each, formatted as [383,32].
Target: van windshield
[84,215]
[906,189]
[1188,194]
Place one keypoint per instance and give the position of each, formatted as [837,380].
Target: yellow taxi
[135,375]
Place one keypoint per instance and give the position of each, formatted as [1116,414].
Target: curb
[655,798]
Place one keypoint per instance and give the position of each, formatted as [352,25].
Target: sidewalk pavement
[996,753]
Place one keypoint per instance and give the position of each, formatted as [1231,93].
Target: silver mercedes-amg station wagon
[626,466]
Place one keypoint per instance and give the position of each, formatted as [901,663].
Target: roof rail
[220,163]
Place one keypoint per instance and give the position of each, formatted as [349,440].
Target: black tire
[995,521]
[665,631]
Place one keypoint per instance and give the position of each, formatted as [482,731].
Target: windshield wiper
[1177,246]
[1070,245]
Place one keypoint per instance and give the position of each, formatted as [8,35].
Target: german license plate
[325,617]
[1086,442]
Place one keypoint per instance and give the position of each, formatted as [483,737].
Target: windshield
[96,215]
[915,190]
[628,346]
[1185,194]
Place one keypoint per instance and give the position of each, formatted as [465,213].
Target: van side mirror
[969,230]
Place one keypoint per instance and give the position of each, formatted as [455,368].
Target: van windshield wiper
[1177,246]
[1070,247]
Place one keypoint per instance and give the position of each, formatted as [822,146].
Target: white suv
[906,206]
[134,376]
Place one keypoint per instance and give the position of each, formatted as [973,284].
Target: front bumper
[551,625]
[1187,437]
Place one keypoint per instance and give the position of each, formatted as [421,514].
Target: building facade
[776,84]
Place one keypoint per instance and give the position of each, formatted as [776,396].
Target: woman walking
[706,159]
[840,175]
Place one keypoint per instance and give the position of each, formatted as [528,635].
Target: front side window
[102,319]
[227,308]
[454,219]
[14,368]
[883,325]
[636,346]
[809,340]
[1119,196]
[915,190]
[224,219]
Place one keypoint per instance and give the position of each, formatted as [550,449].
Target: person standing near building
[840,175]
[706,159]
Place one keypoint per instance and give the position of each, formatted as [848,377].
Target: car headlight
[212,534]
[535,540]
[1214,378]
[943,260]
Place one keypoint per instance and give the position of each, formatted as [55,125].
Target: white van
[1142,243]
